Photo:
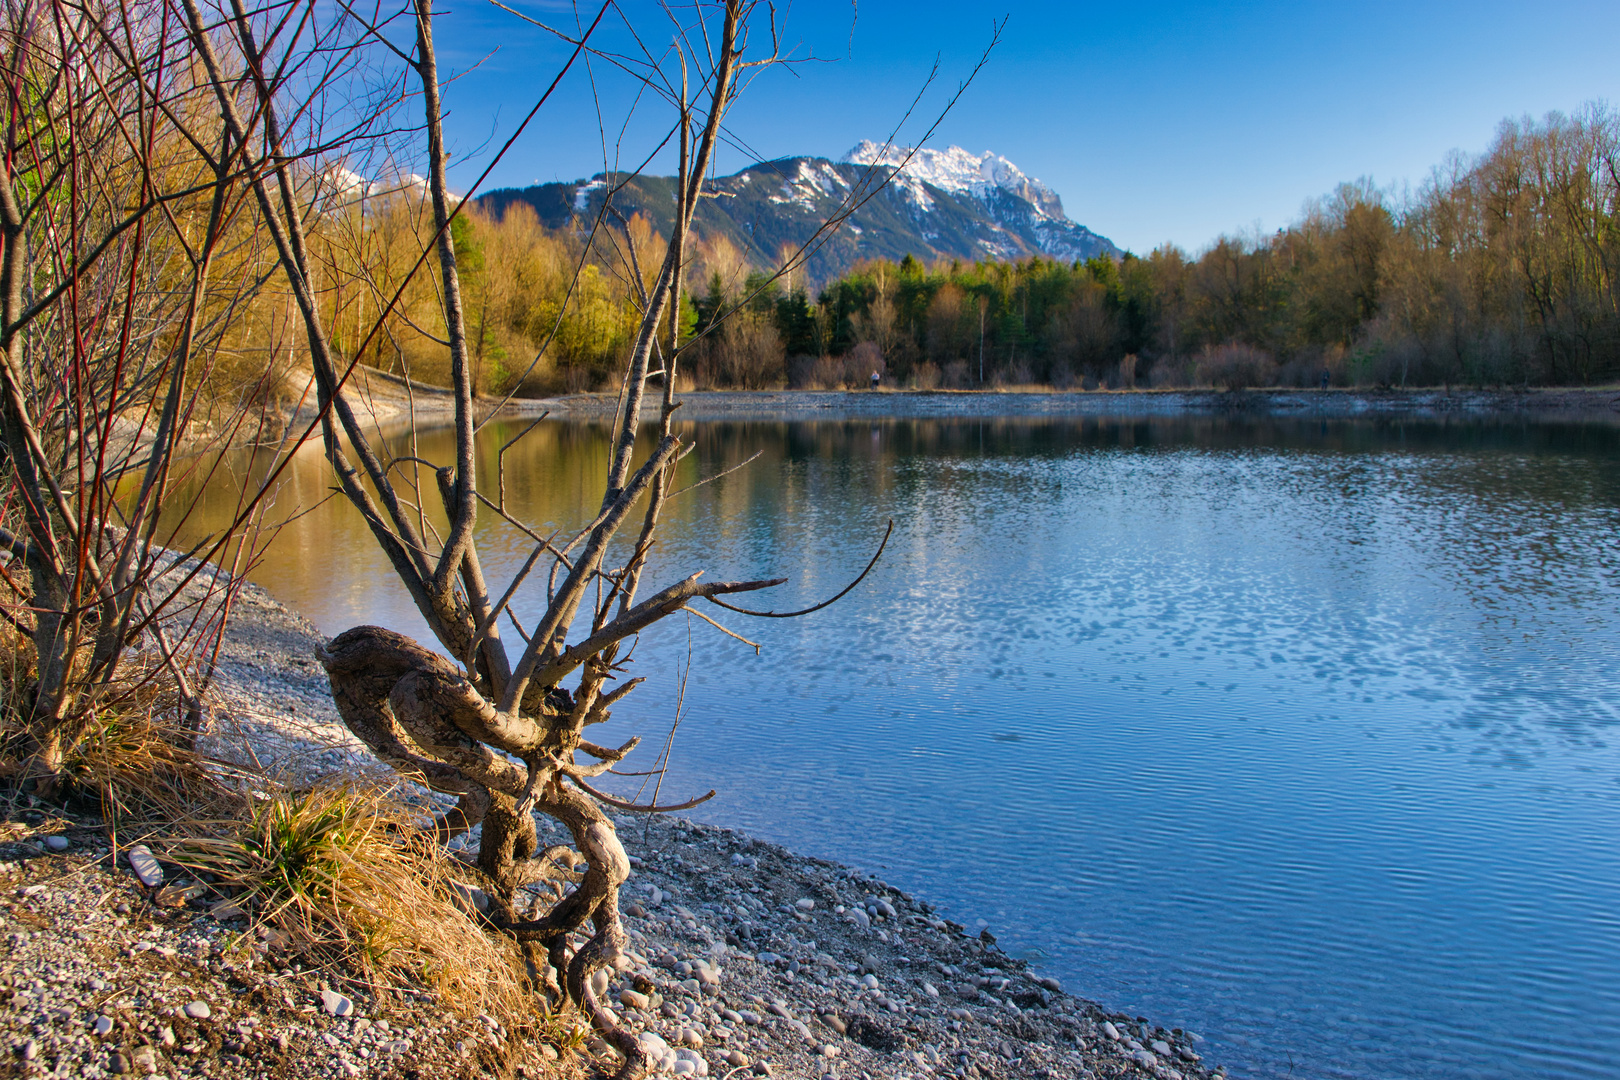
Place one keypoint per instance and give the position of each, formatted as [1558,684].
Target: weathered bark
[412,708]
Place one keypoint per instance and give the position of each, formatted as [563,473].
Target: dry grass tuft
[331,870]
[337,873]
[139,763]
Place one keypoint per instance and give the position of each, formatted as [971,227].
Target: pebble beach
[746,959]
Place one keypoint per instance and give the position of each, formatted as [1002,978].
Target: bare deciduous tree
[498,725]
[129,254]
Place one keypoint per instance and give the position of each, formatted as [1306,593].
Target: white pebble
[145,866]
[335,1004]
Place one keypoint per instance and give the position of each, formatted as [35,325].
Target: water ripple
[1296,735]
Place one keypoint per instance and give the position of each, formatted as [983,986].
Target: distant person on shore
[875,379]
[1327,376]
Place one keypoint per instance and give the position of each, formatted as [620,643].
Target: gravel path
[747,959]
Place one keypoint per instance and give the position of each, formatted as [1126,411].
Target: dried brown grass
[138,763]
[334,871]
[338,873]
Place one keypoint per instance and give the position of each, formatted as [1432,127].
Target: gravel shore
[389,403]
[747,959]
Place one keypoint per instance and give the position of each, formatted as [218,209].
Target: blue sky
[1156,122]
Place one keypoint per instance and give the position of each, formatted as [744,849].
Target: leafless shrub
[862,362]
[490,722]
[130,254]
[1235,367]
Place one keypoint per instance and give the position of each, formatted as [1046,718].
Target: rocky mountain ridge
[928,203]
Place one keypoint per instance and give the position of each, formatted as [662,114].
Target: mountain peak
[959,172]
[937,204]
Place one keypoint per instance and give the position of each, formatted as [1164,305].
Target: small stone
[281,1040]
[120,1063]
[861,918]
[762,1068]
[56,843]
[1111,1031]
[632,1000]
[145,866]
[930,989]
[828,1050]
[335,1004]
[806,904]
[145,1059]
[835,1023]
[30,1050]
[198,1010]
[166,1036]
[471,899]
[1160,1047]
[102,1025]
[869,981]
[1051,984]
[1144,1059]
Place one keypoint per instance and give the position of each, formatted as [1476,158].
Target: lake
[1296,734]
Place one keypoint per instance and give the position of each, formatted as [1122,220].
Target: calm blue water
[1299,736]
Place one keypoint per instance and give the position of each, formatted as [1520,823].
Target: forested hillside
[929,212]
[1497,269]
[1500,269]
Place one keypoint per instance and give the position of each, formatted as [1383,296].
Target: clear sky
[1168,121]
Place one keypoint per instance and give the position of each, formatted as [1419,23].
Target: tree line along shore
[1497,270]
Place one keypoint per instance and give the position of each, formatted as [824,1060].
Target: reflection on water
[1298,735]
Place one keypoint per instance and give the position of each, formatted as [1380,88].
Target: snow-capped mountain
[990,179]
[928,203]
[955,170]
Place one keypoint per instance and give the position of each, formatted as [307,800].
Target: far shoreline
[394,404]
[1571,404]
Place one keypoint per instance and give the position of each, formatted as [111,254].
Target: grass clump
[139,764]
[331,869]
